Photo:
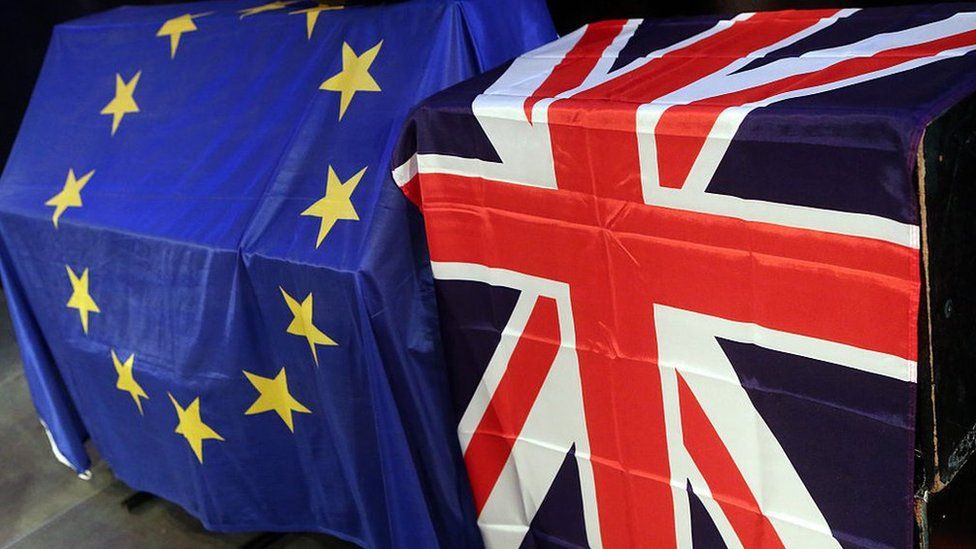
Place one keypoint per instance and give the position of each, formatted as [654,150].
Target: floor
[43,504]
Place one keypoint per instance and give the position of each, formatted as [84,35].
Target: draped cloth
[678,273]
[211,276]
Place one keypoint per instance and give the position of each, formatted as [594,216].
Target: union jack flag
[677,266]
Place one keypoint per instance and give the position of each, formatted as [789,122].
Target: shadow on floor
[43,504]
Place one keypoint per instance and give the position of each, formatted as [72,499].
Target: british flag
[677,266]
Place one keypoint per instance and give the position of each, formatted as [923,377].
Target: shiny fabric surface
[677,265]
[211,275]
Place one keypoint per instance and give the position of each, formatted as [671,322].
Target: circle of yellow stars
[334,206]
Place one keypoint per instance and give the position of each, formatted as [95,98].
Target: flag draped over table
[211,275]
[677,266]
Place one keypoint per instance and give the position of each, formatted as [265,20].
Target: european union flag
[212,276]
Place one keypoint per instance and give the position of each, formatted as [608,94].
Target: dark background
[25,28]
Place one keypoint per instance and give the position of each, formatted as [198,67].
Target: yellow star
[301,324]
[193,429]
[336,203]
[354,76]
[175,27]
[126,382]
[123,103]
[270,6]
[80,299]
[70,195]
[312,15]
[274,396]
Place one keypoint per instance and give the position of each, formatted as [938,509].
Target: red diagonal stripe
[676,69]
[512,401]
[682,129]
[849,68]
[724,479]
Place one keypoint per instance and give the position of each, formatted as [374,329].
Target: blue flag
[211,275]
